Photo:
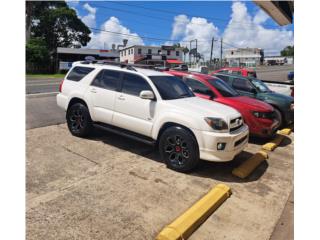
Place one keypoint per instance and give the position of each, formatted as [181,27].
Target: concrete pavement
[109,187]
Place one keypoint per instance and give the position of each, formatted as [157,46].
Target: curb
[39,95]
[190,220]
[247,167]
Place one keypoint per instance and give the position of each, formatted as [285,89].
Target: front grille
[235,124]
[241,140]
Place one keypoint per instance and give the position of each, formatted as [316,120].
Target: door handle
[121,98]
[93,90]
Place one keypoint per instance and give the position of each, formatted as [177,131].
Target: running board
[126,133]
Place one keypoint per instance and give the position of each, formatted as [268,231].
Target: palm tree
[185,50]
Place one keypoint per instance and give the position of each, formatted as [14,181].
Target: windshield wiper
[184,95]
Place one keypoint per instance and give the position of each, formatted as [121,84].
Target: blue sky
[241,24]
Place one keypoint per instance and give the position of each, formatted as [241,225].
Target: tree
[287,51]
[53,24]
[185,50]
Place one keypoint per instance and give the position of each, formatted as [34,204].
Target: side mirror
[147,94]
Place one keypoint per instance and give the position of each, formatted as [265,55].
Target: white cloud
[179,25]
[246,31]
[195,28]
[90,18]
[260,17]
[243,30]
[105,39]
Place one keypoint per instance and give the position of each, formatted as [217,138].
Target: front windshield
[171,87]
[224,89]
[260,85]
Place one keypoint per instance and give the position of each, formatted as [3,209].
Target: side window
[242,84]
[107,79]
[134,84]
[198,87]
[77,73]
[236,72]
[224,78]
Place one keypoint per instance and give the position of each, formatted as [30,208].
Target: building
[244,57]
[153,55]
[66,56]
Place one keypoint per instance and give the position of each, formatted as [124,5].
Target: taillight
[60,86]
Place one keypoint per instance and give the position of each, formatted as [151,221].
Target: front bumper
[264,127]
[235,143]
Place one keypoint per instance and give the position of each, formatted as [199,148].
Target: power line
[188,15]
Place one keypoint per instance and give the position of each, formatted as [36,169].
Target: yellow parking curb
[182,227]
[285,131]
[247,167]
[270,146]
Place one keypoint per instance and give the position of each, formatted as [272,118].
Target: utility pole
[196,51]
[221,54]
[211,50]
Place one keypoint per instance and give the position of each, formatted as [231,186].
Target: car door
[244,87]
[102,94]
[199,88]
[132,112]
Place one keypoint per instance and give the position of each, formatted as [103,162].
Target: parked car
[255,88]
[246,72]
[259,116]
[153,107]
[286,88]
[290,75]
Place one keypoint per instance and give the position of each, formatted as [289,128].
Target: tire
[279,116]
[179,149]
[79,120]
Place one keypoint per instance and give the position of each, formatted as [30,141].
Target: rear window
[77,73]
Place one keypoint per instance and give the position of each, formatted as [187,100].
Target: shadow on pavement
[219,171]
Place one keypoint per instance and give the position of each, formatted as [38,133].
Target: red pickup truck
[246,72]
[259,116]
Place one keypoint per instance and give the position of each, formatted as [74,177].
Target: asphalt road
[40,85]
[276,73]
[43,111]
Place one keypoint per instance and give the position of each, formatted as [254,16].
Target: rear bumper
[62,101]
[235,143]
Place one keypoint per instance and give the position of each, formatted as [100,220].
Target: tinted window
[224,89]
[171,87]
[242,84]
[77,73]
[198,87]
[224,78]
[134,84]
[107,79]
[236,72]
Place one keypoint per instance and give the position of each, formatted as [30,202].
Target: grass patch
[57,75]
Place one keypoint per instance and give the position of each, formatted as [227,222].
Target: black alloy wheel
[179,149]
[79,120]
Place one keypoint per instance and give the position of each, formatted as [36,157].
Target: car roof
[187,73]
[143,71]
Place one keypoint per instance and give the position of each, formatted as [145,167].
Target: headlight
[261,114]
[216,124]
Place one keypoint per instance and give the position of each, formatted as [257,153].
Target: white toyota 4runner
[152,107]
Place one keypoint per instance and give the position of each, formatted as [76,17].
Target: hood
[199,107]
[251,103]
[277,97]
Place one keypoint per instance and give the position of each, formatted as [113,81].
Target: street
[40,85]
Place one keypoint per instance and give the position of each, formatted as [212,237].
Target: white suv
[152,107]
